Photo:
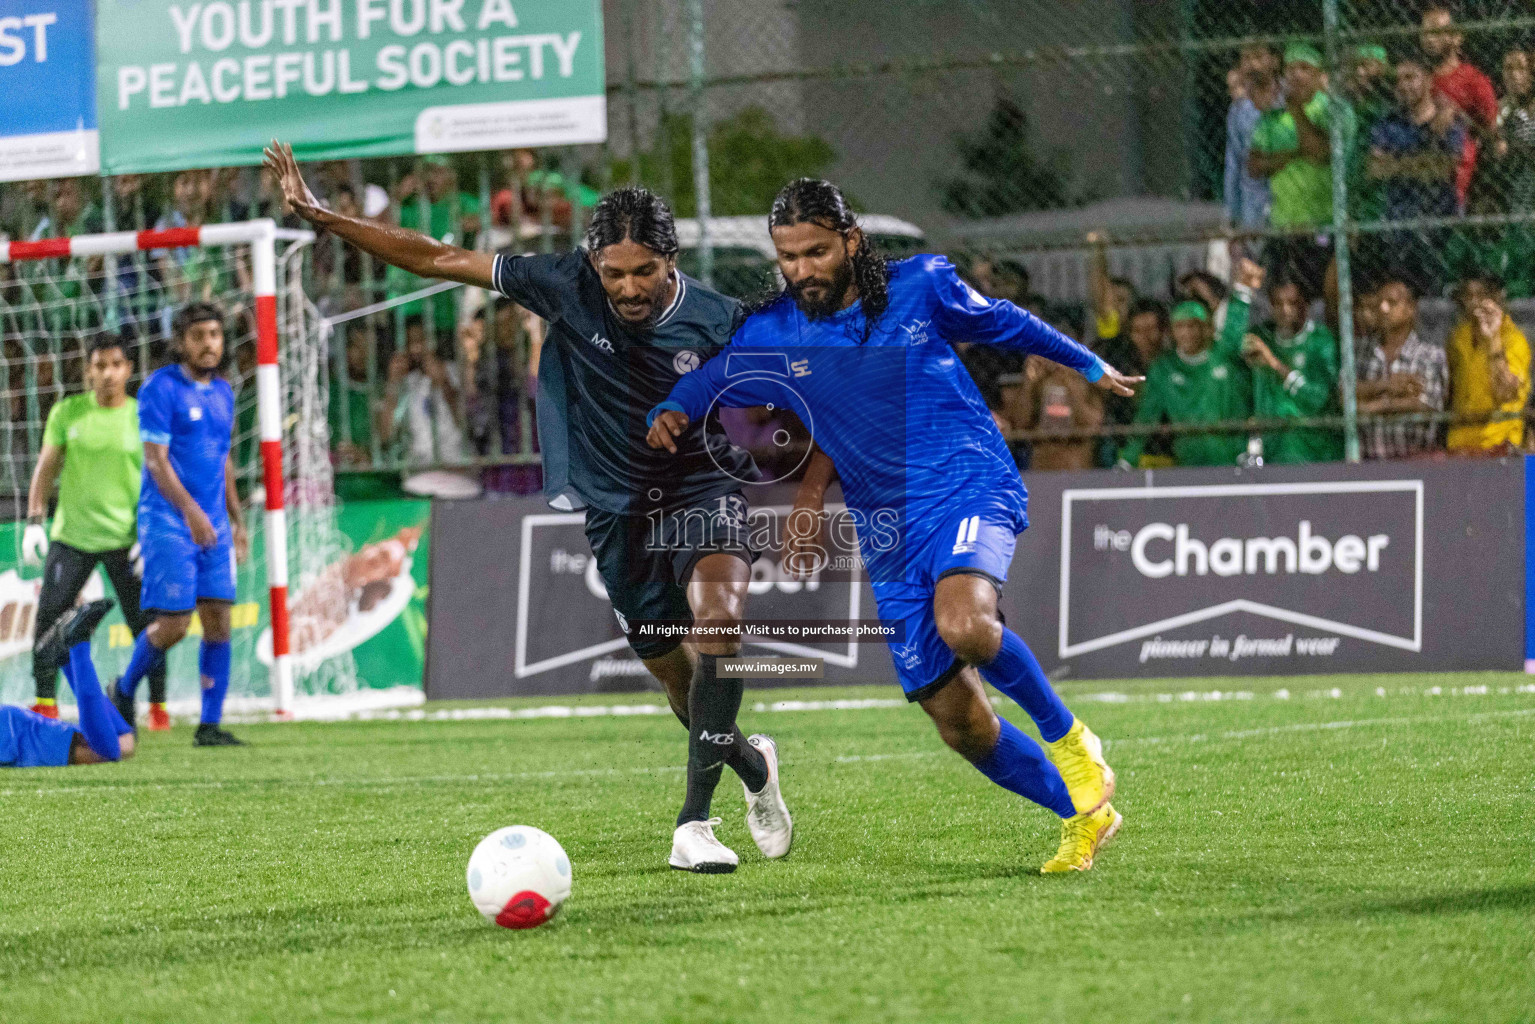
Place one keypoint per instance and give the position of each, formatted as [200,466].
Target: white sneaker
[694,848]
[766,814]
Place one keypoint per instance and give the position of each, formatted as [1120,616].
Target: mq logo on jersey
[1261,573]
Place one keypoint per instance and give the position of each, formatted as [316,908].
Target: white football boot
[766,814]
[694,848]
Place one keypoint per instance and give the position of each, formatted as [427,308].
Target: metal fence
[1339,143]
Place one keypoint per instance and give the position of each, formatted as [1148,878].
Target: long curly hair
[814,201]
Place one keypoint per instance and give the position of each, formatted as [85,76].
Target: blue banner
[48,81]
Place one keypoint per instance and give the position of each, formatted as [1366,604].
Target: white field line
[874,703]
[576,773]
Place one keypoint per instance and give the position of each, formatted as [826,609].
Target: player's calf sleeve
[714,741]
[157,683]
[46,679]
[1016,672]
[213,664]
[1018,764]
[146,657]
[99,720]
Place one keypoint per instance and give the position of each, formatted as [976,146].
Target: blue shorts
[32,741]
[981,545]
[178,573]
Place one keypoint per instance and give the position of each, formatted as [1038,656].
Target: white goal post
[261,236]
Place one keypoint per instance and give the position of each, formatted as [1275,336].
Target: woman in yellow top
[1489,371]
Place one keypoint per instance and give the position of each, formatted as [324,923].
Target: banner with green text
[207,83]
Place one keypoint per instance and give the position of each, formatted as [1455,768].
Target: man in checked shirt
[1400,373]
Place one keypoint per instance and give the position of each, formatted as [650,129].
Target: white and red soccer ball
[518,877]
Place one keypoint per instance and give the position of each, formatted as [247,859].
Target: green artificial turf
[1366,853]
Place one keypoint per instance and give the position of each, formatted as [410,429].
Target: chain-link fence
[1100,162]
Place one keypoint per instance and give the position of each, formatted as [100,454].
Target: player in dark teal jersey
[861,348]
[668,533]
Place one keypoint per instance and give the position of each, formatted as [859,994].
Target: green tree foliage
[1002,173]
[749,161]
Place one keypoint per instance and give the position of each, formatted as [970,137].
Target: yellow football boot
[1078,756]
[1081,839]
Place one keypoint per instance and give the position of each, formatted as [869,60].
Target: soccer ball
[518,877]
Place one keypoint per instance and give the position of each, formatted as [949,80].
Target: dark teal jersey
[598,377]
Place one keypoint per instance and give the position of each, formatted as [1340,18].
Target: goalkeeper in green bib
[91,449]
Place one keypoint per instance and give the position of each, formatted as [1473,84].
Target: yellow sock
[47,702]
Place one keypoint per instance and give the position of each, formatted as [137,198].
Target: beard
[834,291]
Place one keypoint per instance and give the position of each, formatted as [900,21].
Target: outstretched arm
[420,254]
[733,379]
[963,314]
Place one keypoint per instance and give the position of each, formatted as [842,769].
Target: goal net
[55,296]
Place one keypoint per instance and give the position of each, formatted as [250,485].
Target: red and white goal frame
[261,236]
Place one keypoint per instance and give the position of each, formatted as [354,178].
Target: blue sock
[146,657]
[99,720]
[213,664]
[1019,764]
[1016,672]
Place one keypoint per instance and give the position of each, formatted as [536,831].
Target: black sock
[157,684]
[46,677]
[714,740]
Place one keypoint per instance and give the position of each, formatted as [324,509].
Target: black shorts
[646,560]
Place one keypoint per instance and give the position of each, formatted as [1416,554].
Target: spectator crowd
[436,377]
[1427,140]
[1250,374]
[1239,367]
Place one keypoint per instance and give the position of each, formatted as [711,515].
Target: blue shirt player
[31,740]
[861,350]
[190,528]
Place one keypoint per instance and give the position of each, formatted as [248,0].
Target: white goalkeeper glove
[34,544]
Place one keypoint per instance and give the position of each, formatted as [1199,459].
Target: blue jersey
[893,407]
[193,421]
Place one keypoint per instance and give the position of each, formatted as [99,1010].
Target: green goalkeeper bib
[103,464]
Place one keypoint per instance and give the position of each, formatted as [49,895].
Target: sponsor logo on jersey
[916,331]
[686,361]
[195,413]
[601,342]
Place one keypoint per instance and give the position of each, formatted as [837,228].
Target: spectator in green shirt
[1294,364]
[1293,149]
[454,218]
[1195,383]
[1370,92]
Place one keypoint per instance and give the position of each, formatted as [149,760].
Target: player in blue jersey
[861,350]
[31,740]
[191,531]
[669,536]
